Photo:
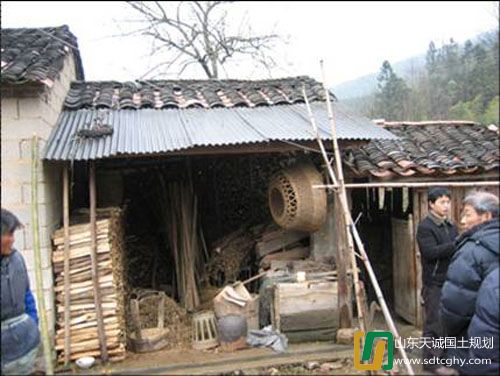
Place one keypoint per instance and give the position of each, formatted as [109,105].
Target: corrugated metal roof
[150,131]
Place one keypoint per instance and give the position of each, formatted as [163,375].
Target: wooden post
[67,297]
[136,321]
[49,369]
[359,243]
[343,285]
[93,259]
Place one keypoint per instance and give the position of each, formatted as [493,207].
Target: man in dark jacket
[435,236]
[20,335]
[485,325]
[477,255]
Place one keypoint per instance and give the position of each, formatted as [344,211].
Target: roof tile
[37,54]
[426,148]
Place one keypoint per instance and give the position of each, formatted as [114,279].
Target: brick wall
[21,117]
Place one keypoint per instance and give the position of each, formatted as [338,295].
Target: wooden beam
[412,184]
[67,296]
[281,146]
[93,257]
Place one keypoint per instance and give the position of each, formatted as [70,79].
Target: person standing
[485,324]
[477,255]
[20,335]
[436,236]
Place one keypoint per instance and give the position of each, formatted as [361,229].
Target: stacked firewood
[84,339]
[229,255]
[235,251]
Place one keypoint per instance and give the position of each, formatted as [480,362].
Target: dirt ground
[336,365]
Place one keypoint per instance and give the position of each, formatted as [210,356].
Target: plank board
[307,296]
[404,269]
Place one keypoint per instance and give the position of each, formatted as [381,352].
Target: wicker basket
[293,202]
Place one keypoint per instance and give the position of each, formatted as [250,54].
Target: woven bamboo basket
[293,202]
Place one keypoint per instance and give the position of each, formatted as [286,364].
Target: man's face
[441,206]
[471,218]
[7,243]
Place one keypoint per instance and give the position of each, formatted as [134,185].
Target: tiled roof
[37,54]
[428,148]
[162,94]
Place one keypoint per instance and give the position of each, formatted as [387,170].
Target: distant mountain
[365,85]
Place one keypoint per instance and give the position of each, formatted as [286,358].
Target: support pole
[411,184]
[343,200]
[93,258]
[67,297]
[350,225]
[49,369]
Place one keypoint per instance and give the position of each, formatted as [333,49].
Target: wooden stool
[205,334]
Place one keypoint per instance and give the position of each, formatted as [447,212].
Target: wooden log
[114,351]
[79,338]
[106,297]
[78,240]
[83,268]
[91,344]
[289,237]
[298,253]
[81,307]
[80,262]
[80,285]
[77,229]
[92,330]
[83,276]
[88,317]
[58,256]
[108,321]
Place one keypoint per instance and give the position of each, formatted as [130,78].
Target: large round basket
[293,201]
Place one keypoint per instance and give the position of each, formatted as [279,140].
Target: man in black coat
[485,324]
[477,255]
[436,238]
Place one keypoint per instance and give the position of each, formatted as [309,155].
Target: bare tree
[196,33]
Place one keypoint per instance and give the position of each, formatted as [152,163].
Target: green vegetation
[457,82]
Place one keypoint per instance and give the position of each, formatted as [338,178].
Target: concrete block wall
[20,118]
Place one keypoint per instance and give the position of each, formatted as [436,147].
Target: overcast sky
[353,38]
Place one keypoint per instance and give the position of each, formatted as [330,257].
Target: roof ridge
[196,80]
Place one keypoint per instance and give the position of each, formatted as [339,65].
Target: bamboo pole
[343,200]
[38,263]
[357,238]
[93,257]
[67,296]
[410,184]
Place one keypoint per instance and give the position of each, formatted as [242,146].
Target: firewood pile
[265,243]
[229,255]
[111,272]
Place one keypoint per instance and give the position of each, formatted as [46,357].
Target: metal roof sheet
[150,131]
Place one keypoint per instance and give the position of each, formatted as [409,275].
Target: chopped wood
[112,287]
